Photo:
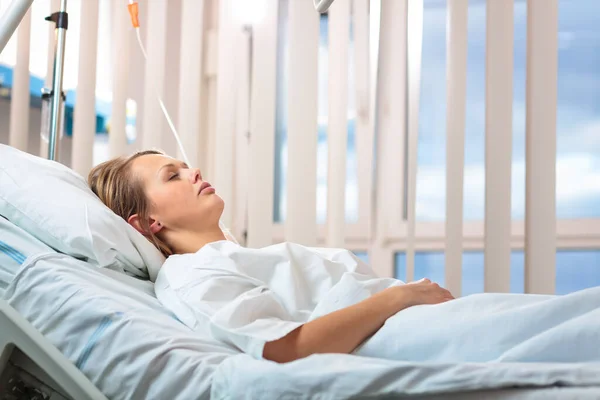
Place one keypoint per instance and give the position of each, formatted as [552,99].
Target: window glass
[431,265]
[578,114]
[363,255]
[577,270]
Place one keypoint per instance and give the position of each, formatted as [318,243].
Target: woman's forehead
[148,165]
[153,161]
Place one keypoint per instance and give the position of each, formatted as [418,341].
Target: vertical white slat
[540,176]
[364,133]
[208,148]
[456,100]
[301,215]
[54,6]
[226,106]
[18,135]
[381,262]
[191,72]
[122,47]
[105,54]
[209,85]
[262,140]
[337,127]
[154,78]
[391,121]
[37,64]
[211,123]
[171,86]
[414,46]
[84,120]
[244,76]
[498,144]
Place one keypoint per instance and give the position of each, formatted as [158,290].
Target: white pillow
[115,331]
[54,204]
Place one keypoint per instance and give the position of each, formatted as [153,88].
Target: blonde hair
[117,187]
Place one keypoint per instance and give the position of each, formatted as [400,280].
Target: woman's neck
[191,242]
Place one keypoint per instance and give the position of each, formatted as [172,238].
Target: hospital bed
[80,320]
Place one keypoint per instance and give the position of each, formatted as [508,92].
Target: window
[575,270]
[431,176]
[427,265]
[473,272]
[363,255]
[578,114]
[281,125]
[431,157]
[431,265]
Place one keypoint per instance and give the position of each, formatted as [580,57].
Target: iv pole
[8,25]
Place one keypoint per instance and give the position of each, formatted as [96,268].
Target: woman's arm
[344,330]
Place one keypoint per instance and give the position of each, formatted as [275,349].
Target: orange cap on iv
[133,12]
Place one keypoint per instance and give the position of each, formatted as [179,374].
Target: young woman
[286,302]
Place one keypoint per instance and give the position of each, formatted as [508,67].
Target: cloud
[577,189]
[584,137]
[577,178]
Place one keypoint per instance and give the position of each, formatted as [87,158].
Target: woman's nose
[195,175]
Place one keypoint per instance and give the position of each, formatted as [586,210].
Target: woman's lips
[206,188]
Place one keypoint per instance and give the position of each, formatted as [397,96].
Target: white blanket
[334,376]
[247,297]
[495,327]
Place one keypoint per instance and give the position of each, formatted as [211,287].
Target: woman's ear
[136,222]
[155,226]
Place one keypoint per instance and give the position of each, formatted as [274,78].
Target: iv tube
[134,14]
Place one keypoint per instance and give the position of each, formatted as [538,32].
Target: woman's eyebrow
[165,166]
[182,165]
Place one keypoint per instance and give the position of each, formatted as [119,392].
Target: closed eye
[172,177]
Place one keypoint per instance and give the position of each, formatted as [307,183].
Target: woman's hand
[420,292]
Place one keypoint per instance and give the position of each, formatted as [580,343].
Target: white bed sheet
[545,393]
[346,376]
[16,246]
[114,330]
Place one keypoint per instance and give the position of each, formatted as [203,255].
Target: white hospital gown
[248,297]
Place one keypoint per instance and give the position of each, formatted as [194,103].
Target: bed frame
[31,367]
